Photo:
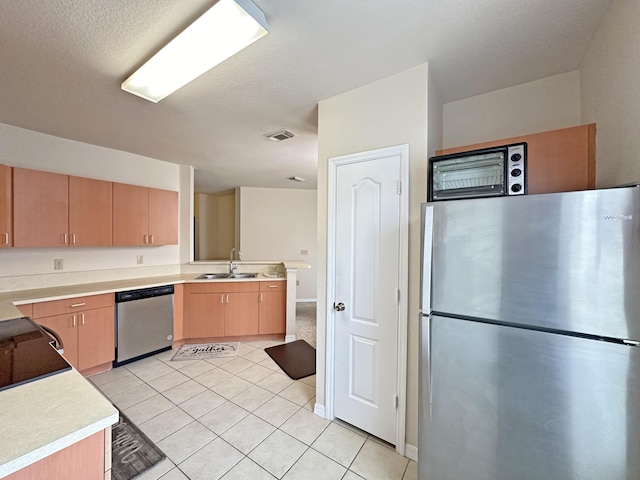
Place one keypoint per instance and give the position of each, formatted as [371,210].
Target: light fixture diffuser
[222,31]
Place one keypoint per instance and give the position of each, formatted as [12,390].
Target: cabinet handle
[63,238]
[272,286]
[73,239]
[73,320]
[145,239]
[82,318]
[221,298]
[5,239]
[151,239]
[76,305]
[260,297]
[227,298]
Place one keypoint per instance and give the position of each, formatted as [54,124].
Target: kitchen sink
[243,275]
[212,276]
[231,276]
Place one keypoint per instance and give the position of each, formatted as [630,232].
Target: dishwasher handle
[139,294]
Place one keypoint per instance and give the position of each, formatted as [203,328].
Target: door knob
[338,307]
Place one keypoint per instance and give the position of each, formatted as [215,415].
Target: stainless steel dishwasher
[144,323]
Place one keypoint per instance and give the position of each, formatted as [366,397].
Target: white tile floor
[242,418]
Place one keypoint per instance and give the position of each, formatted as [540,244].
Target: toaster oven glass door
[470,176]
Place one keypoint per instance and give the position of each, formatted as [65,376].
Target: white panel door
[367,254]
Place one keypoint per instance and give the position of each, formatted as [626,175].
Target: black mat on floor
[297,359]
[132,453]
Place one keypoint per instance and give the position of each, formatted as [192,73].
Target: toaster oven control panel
[516,169]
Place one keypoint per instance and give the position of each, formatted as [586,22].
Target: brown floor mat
[297,359]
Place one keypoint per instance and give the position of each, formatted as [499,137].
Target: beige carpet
[306,322]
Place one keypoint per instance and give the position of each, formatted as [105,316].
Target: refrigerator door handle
[427,248]
[425,346]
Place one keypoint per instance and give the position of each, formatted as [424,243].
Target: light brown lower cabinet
[206,314]
[221,309]
[241,313]
[233,309]
[83,460]
[85,326]
[273,305]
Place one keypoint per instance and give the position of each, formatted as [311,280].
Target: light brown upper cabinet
[561,160]
[51,209]
[90,212]
[144,216]
[163,217]
[40,208]
[6,208]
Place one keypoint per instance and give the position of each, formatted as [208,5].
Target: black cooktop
[26,354]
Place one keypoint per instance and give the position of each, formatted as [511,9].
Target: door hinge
[398,295]
[399,187]
[396,401]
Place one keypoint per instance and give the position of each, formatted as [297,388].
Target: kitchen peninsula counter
[47,415]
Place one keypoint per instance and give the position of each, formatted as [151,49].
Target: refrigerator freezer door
[510,403]
[566,261]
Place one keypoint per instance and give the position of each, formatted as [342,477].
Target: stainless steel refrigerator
[530,323]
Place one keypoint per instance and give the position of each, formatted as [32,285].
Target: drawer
[70,305]
[273,286]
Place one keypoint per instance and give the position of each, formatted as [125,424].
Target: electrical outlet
[140,259]
[304,252]
[297,283]
[58,264]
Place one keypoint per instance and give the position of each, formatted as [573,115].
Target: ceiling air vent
[279,135]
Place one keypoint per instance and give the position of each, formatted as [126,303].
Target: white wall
[610,75]
[29,149]
[533,107]
[391,111]
[277,224]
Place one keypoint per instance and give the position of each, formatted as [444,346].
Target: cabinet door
[130,214]
[163,217]
[90,212]
[66,326]
[273,312]
[40,208]
[242,314]
[84,460]
[206,315]
[6,207]
[96,344]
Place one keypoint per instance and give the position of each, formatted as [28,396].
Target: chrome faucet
[233,265]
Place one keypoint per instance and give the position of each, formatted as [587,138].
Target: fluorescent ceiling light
[225,29]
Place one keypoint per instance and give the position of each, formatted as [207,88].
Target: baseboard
[411,452]
[319,410]
[289,338]
[306,300]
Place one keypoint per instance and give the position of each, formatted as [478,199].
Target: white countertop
[47,415]
[20,297]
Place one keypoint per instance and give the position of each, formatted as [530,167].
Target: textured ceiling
[62,62]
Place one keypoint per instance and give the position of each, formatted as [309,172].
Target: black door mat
[297,359]
[132,453]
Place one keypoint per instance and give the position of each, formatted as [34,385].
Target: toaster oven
[488,172]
